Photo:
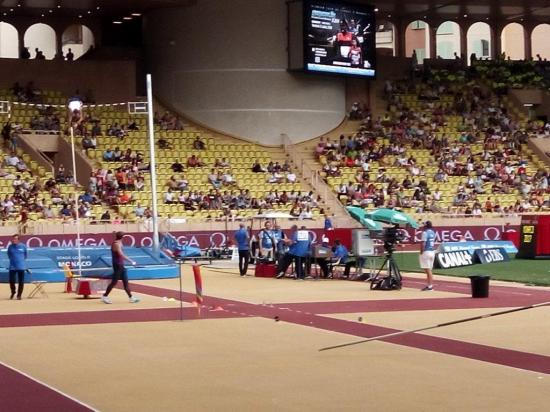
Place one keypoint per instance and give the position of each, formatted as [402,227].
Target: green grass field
[530,272]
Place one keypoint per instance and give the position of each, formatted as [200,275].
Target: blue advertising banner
[46,264]
[472,246]
[491,255]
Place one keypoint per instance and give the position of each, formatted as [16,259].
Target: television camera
[391,236]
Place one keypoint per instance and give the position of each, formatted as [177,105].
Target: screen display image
[340,38]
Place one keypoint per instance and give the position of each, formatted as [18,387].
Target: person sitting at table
[341,252]
[322,262]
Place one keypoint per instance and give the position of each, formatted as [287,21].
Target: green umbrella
[358,213]
[391,216]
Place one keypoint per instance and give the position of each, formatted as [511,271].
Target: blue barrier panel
[472,246]
[46,264]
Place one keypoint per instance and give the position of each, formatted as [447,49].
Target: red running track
[23,394]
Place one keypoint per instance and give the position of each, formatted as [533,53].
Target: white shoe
[134,299]
[106,300]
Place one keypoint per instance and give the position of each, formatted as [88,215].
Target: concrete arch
[417,38]
[448,40]
[9,41]
[479,40]
[385,37]
[78,38]
[539,41]
[42,37]
[512,41]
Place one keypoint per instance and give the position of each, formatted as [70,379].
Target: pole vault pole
[181,261]
[153,163]
[75,183]
[440,325]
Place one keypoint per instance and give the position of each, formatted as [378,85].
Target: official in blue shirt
[279,237]
[242,238]
[267,241]
[299,248]
[328,223]
[427,253]
[340,253]
[17,254]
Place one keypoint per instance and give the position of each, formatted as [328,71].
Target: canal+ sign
[446,260]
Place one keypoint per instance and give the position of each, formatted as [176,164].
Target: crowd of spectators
[46,120]
[168,121]
[225,193]
[500,74]
[230,200]
[27,94]
[499,167]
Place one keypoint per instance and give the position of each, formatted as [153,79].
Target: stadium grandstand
[269,123]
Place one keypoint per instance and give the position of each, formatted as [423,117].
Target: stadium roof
[497,9]
[455,9]
[86,7]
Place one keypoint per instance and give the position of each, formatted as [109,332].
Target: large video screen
[339,38]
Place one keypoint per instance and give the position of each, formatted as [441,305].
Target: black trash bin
[480,286]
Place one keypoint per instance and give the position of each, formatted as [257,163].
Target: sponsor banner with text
[205,239]
[491,255]
[459,258]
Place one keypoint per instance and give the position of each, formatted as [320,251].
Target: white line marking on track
[49,387]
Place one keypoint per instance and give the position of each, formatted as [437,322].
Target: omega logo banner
[205,239]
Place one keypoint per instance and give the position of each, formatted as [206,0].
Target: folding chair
[39,287]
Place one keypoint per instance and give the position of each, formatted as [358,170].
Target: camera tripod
[393,274]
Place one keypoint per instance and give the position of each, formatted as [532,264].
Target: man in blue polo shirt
[17,254]
[267,242]
[242,238]
[279,237]
[299,248]
[427,253]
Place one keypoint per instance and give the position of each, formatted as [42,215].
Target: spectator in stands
[87,197]
[61,174]
[214,178]
[89,142]
[140,183]
[39,55]
[96,129]
[355,112]
[25,53]
[47,212]
[6,133]
[139,211]
[194,161]
[222,163]
[198,144]
[169,197]
[124,197]
[228,179]
[109,155]
[257,167]
[177,167]
[105,217]
[117,154]
[291,177]
[276,177]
